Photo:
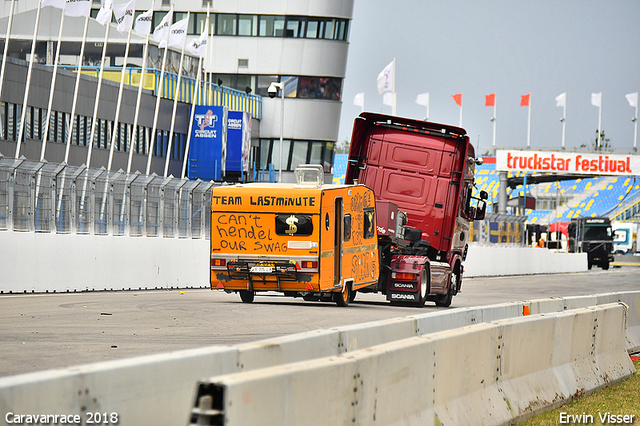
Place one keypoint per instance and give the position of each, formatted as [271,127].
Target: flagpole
[393,90]
[564,121]
[75,93]
[159,96]
[460,122]
[28,82]
[98,90]
[4,55]
[495,120]
[529,124]
[599,123]
[116,120]
[54,75]
[175,103]
[139,98]
[428,104]
[635,127]
[193,103]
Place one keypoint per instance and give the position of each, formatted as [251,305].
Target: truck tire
[424,288]
[343,298]
[605,266]
[247,296]
[445,300]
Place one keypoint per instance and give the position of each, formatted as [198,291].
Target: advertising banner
[238,141]
[588,163]
[207,153]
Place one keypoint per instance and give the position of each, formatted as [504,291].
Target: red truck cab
[427,170]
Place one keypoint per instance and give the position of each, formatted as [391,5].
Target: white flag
[561,100]
[596,99]
[178,33]
[143,22]
[423,99]
[161,31]
[358,100]
[124,15]
[104,14]
[386,78]
[78,8]
[54,3]
[198,46]
[387,99]
[633,99]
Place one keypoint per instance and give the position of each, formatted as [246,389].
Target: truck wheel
[424,288]
[605,266]
[352,297]
[589,265]
[247,296]
[445,301]
[343,298]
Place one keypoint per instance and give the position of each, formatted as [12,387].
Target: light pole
[273,91]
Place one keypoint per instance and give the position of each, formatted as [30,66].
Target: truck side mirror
[481,210]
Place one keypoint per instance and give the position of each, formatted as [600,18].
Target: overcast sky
[506,47]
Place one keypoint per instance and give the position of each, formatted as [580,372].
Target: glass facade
[294,153]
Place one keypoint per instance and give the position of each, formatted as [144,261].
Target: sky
[507,47]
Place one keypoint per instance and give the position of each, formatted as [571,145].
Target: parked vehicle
[625,237]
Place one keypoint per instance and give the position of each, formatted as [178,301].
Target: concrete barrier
[166,382]
[492,373]
[41,262]
[520,261]
[47,263]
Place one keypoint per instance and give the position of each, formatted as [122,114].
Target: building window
[271,26]
[248,25]
[226,24]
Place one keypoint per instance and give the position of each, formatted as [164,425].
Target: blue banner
[238,141]
[207,151]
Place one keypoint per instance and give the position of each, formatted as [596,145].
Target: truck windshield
[598,233]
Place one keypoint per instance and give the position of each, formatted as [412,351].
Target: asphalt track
[40,332]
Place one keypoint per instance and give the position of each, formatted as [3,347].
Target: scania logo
[403,296]
[402,285]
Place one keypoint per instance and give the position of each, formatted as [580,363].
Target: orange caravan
[305,239]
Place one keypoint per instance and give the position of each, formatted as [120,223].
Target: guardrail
[158,389]
[56,198]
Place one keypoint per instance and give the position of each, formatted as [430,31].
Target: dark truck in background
[594,236]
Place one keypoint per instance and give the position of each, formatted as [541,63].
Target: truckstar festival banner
[207,153]
[568,162]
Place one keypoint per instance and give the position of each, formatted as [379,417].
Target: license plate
[261,269]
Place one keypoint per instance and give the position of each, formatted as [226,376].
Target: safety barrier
[158,389]
[520,261]
[492,374]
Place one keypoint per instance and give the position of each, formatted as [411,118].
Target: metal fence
[56,198]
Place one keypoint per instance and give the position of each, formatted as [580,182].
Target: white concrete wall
[483,261]
[42,263]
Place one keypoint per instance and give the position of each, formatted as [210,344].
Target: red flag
[458,99]
[525,100]
[490,100]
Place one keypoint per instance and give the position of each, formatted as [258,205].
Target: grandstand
[617,197]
